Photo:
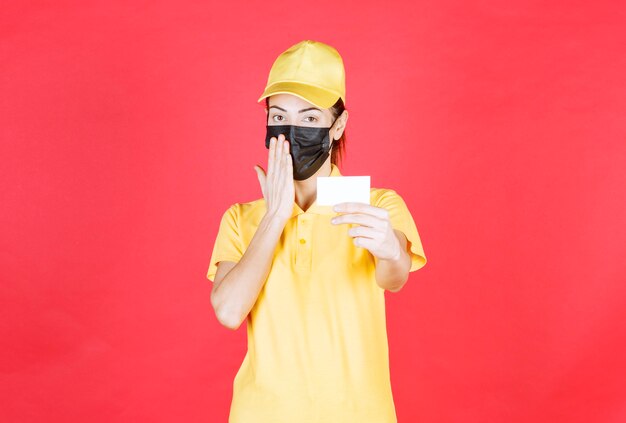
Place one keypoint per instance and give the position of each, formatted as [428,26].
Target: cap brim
[317,96]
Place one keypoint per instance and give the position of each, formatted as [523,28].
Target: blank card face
[340,189]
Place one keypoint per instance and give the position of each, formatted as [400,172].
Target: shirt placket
[304,232]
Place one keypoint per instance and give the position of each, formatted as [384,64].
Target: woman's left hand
[375,232]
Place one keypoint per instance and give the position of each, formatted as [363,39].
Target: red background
[129,127]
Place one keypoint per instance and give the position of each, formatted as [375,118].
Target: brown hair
[338,147]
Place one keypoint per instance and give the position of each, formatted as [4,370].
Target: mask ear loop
[332,139]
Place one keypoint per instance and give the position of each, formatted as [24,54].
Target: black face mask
[309,147]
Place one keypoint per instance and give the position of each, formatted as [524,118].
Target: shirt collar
[316,208]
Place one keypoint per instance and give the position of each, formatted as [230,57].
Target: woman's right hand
[277,185]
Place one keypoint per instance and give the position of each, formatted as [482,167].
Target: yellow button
[302,241]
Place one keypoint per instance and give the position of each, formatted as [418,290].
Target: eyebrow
[299,111]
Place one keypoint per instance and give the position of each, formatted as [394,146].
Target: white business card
[340,189]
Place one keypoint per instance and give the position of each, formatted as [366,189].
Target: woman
[308,280]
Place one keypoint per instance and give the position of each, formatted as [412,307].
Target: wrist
[272,219]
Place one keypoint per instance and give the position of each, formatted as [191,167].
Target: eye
[277,116]
[311,117]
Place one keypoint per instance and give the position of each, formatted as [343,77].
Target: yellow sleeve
[401,219]
[228,245]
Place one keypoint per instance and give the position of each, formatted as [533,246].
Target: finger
[289,165]
[279,147]
[356,207]
[365,232]
[358,218]
[287,155]
[270,156]
[261,177]
[363,242]
[277,150]
[283,163]
[259,171]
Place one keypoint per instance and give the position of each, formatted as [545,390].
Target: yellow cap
[310,70]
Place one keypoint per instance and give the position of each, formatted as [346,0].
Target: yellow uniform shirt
[317,339]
